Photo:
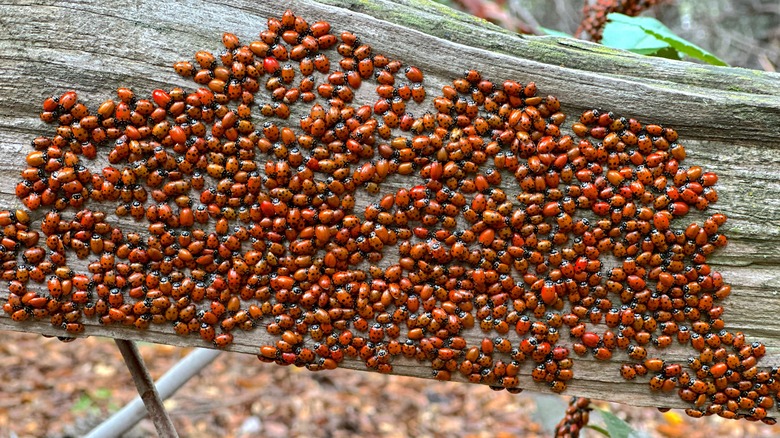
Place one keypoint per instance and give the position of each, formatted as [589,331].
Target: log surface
[728,119]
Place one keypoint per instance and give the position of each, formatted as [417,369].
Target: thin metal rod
[147,391]
[127,417]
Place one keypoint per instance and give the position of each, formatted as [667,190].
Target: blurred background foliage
[744,33]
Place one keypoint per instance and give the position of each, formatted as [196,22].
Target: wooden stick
[146,389]
[133,412]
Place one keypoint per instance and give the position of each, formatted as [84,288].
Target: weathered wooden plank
[728,118]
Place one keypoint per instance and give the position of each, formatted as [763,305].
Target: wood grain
[728,119]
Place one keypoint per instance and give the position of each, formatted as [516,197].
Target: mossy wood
[728,119]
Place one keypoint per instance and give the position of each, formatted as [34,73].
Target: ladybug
[636,352]
[557,386]
[628,372]
[657,382]
[590,339]
[602,353]
[207,332]
[539,373]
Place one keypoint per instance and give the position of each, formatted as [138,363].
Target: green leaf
[553,32]
[598,429]
[689,48]
[648,36]
[668,53]
[631,37]
[616,427]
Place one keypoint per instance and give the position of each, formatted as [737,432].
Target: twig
[147,391]
[766,64]
[127,417]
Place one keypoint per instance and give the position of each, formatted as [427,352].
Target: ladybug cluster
[507,245]
[575,419]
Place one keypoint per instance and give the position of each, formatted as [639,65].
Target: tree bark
[728,119]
